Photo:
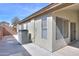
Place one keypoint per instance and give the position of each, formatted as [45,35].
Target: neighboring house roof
[3,22]
[50,7]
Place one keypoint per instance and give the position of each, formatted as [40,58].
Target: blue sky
[10,10]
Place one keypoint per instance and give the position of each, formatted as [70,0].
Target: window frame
[44,27]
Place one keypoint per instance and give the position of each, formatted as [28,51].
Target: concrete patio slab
[35,50]
[70,50]
[67,51]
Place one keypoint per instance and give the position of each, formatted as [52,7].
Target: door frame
[71,32]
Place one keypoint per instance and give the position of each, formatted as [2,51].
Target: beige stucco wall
[19,27]
[24,26]
[45,43]
[31,29]
[72,16]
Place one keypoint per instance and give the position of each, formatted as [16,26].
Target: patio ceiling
[74,7]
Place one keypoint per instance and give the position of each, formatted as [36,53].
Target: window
[61,28]
[44,28]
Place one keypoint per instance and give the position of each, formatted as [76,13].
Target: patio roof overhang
[51,7]
[74,7]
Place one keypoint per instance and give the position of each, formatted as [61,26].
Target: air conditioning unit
[23,36]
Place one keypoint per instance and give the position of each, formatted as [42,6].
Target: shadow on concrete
[75,44]
[9,46]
